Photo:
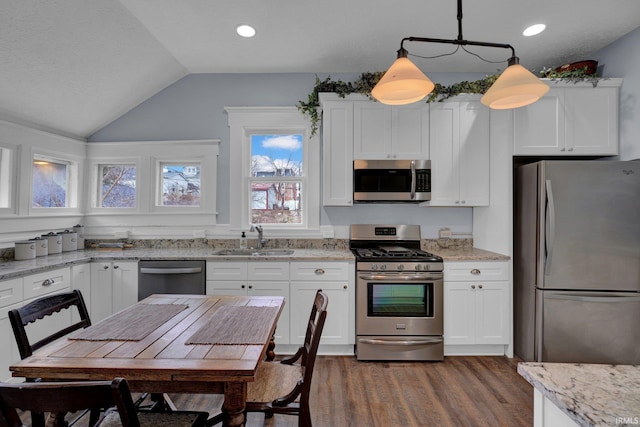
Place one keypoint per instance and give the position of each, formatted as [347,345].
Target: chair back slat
[39,310]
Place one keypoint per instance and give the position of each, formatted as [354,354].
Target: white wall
[622,59]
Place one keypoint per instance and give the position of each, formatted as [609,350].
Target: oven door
[393,304]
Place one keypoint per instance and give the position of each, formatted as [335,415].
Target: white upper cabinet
[390,132]
[459,152]
[571,120]
[337,151]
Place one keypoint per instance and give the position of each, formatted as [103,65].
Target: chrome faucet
[261,241]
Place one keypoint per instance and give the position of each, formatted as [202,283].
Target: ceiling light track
[404,83]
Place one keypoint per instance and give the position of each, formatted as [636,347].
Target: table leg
[271,354]
[235,398]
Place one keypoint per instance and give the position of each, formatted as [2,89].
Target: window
[54,183]
[275,183]
[117,187]
[275,165]
[180,184]
[6,163]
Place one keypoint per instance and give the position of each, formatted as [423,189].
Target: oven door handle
[404,343]
[396,277]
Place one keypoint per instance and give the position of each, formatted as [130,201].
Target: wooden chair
[41,397]
[283,388]
[40,308]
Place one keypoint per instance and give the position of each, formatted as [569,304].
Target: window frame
[72,197]
[247,121]
[8,174]
[95,180]
[157,183]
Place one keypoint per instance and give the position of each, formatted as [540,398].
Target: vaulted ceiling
[76,65]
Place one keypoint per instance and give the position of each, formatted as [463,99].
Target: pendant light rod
[459,41]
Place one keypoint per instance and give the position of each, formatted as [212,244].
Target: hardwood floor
[461,391]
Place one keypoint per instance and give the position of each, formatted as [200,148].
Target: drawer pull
[480,286]
[48,282]
[115,267]
[106,267]
[473,286]
[319,271]
[475,271]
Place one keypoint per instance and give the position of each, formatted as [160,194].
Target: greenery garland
[367,81]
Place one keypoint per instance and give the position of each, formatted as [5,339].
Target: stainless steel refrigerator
[577,261]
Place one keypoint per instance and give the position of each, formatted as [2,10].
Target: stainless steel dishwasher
[171,277]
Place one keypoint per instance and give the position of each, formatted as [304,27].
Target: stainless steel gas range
[399,291]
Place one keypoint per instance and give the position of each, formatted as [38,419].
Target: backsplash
[429,245]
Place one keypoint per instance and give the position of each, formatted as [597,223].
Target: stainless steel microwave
[391,181]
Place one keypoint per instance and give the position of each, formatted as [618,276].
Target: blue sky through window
[285,151]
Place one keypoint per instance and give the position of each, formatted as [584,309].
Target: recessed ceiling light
[245,30]
[534,30]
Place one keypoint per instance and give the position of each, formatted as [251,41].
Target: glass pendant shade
[516,87]
[403,83]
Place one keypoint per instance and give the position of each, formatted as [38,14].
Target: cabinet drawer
[227,270]
[271,270]
[320,271]
[44,283]
[10,291]
[479,270]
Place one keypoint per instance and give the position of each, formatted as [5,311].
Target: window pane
[275,202]
[117,186]
[5,177]
[276,155]
[50,184]
[180,184]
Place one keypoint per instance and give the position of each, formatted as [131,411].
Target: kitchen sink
[255,252]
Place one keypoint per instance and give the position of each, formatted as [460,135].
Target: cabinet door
[336,327]
[125,284]
[591,119]
[539,127]
[81,280]
[8,350]
[274,288]
[459,313]
[492,312]
[101,305]
[444,147]
[410,131]
[371,131]
[337,153]
[473,154]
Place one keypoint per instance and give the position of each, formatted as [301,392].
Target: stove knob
[383,267]
[427,267]
[400,267]
[418,267]
[374,266]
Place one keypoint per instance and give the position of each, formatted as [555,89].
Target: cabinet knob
[319,271]
[562,149]
[250,286]
[473,286]
[463,202]
[242,286]
[457,202]
[106,267]
[480,286]
[570,149]
[345,286]
[475,271]
[115,267]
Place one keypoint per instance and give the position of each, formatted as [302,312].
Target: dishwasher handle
[169,270]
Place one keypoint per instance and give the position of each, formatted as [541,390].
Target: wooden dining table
[170,344]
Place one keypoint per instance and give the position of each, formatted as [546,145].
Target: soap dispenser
[243,241]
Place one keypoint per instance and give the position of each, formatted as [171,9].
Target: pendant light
[404,83]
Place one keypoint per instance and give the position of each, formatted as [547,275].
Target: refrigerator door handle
[550,229]
[583,298]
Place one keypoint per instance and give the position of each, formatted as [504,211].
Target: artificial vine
[366,82]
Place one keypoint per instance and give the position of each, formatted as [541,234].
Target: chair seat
[273,380]
[157,419]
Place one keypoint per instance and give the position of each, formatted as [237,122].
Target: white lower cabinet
[23,290]
[114,287]
[476,307]
[253,278]
[335,279]
[81,280]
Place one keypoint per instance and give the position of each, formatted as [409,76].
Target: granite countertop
[469,254]
[590,394]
